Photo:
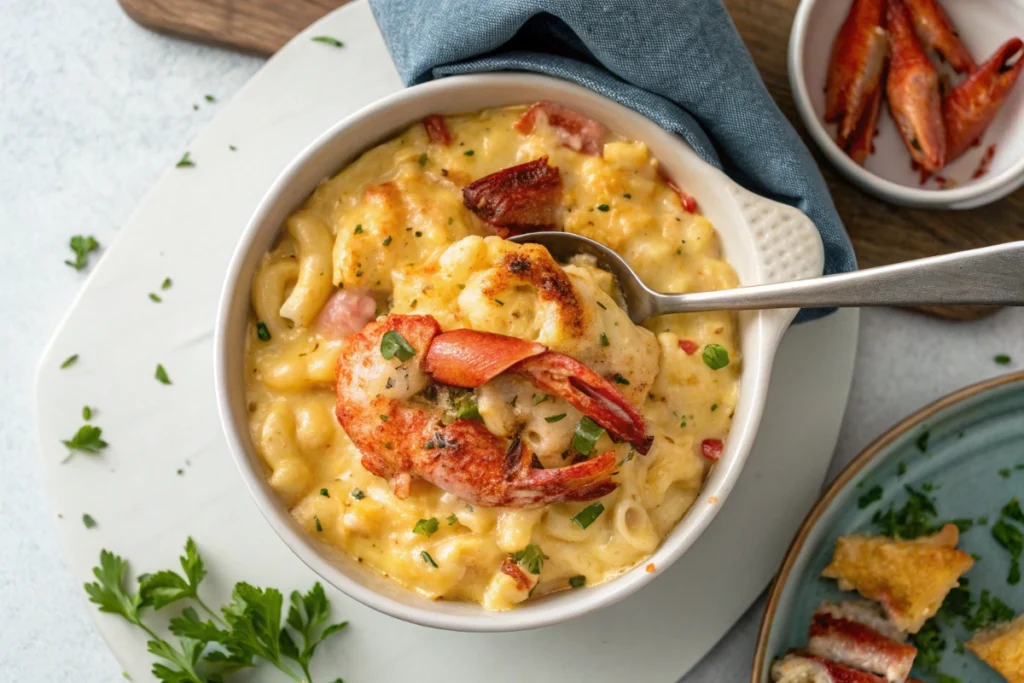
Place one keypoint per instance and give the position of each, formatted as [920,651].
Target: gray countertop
[92,110]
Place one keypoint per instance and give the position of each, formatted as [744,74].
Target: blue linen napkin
[681,63]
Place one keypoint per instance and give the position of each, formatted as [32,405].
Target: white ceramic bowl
[763,240]
[983,26]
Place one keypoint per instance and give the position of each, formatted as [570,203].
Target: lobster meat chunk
[912,89]
[938,35]
[517,199]
[575,130]
[802,667]
[345,313]
[970,106]
[383,403]
[856,68]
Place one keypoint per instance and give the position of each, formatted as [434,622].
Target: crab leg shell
[938,34]
[971,105]
[468,358]
[913,92]
[587,391]
[855,70]
[862,143]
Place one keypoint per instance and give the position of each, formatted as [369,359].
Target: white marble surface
[92,110]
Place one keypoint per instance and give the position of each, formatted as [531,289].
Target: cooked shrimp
[401,431]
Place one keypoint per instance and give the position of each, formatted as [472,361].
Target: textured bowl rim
[977,194]
[844,478]
[769,326]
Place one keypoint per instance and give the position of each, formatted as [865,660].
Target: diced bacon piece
[803,667]
[687,200]
[346,312]
[688,346]
[437,130]
[575,131]
[838,635]
[712,448]
[520,198]
[512,569]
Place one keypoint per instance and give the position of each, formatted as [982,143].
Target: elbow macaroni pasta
[393,224]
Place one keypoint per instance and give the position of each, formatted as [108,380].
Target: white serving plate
[186,228]
[887,174]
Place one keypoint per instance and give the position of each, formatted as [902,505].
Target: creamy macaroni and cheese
[392,234]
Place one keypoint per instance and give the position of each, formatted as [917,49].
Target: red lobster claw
[913,92]
[856,68]
[970,106]
[938,34]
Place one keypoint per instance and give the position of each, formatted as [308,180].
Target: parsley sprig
[82,246]
[248,629]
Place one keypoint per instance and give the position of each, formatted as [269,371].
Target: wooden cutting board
[881,233]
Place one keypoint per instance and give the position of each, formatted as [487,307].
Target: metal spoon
[987,276]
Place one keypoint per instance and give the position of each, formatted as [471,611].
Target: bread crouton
[1002,648]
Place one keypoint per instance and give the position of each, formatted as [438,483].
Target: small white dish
[763,240]
[887,174]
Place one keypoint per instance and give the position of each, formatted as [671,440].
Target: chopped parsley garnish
[601,305]
[619,379]
[1002,359]
[232,148]
[587,515]
[328,40]
[991,610]
[426,527]
[262,331]
[88,521]
[603,207]
[930,644]
[87,439]
[604,339]
[531,558]
[161,375]
[428,559]
[714,407]
[69,361]
[82,246]
[585,435]
[384,418]
[468,153]
[387,241]
[1005,473]
[901,469]
[555,418]
[944,678]
[325,493]
[319,526]
[423,159]
[715,356]
[628,196]
[358,494]
[166,284]
[1012,511]
[86,413]
[155,297]
[577,581]
[358,230]
[1010,538]
[209,98]
[499,302]
[394,344]
[465,406]
[185,161]
[916,518]
[873,495]
[418,233]
[922,440]
[452,519]
[539,398]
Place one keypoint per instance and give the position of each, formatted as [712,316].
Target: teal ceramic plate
[965,452]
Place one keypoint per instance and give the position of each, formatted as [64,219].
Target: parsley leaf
[82,246]
[328,40]
[585,435]
[88,521]
[930,644]
[1002,359]
[161,375]
[164,587]
[531,558]
[262,332]
[86,439]
[587,515]
[306,615]
[69,361]
[452,519]
[873,495]
[394,344]
[428,559]
[1012,511]
[108,590]
[166,284]
[715,356]
[185,161]
[426,527]
[577,581]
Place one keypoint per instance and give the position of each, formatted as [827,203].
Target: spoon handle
[987,276]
